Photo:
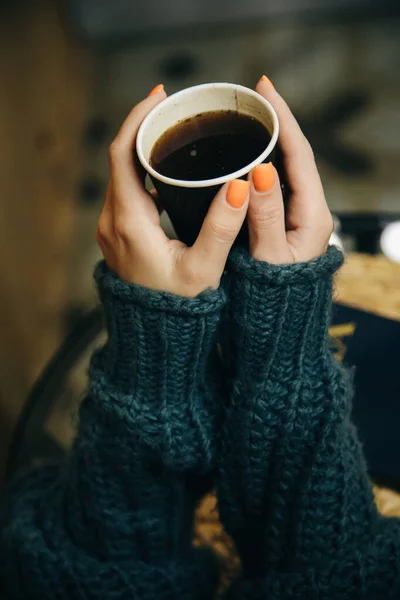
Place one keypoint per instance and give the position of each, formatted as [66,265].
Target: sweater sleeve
[115,519]
[293,488]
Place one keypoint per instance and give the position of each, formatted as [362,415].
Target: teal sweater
[163,420]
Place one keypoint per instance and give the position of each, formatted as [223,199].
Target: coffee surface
[209,145]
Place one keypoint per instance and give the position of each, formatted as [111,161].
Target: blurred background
[70,71]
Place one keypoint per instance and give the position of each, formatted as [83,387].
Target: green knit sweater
[163,420]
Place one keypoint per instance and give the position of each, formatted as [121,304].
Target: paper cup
[187,202]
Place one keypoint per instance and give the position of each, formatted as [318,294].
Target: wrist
[141,321]
[280,275]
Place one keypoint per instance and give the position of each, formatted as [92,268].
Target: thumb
[221,227]
[266,217]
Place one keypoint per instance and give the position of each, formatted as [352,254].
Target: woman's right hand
[301,233]
[130,236]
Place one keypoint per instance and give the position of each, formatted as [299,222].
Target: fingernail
[156,90]
[267,80]
[263,177]
[237,193]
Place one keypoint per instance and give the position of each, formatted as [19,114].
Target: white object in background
[336,241]
[337,226]
[390,241]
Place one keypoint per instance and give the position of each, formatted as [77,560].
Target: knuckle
[327,223]
[99,238]
[122,232]
[308,149]
[330,224]
[102,230]
[114,150]
[323,226]
[222,233]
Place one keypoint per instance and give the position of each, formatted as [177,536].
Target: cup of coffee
[198,139]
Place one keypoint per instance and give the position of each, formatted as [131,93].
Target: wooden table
[370,283]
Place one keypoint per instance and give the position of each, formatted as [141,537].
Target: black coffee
[209,145]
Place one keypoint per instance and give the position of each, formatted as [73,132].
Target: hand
[130,236]
[309,223]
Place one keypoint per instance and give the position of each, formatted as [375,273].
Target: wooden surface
[45,75]
[370,283]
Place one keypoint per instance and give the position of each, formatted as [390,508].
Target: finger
[134,213]
[266,217]
[122,163]
[298,156]
[221,227]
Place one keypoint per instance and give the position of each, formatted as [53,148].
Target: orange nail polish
[263,177]
[237,193]
[156,90]
[266,80]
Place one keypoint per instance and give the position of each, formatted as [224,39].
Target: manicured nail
[266,80]
[237,193]
[156,90]
[263,177]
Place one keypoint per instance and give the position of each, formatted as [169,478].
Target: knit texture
[293,490]
[115,519]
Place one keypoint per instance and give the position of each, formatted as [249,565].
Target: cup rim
[217,181]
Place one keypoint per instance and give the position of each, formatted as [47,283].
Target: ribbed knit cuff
[277,311]
[289,274]
[153,367]
[277,357]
